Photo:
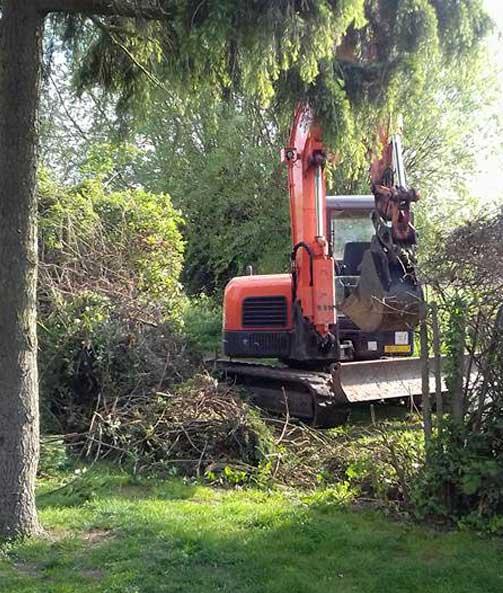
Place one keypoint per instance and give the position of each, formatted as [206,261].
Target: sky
[495,9]
[488,182]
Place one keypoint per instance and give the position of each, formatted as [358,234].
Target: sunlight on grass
[112,533]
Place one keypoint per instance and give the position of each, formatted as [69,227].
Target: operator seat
[353,256]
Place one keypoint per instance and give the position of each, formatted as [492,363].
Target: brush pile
[205,429]
[198,429]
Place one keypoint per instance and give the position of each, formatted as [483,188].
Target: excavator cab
[349,218]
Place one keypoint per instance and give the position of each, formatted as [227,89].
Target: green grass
[116,534]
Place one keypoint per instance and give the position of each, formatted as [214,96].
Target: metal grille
[256,344]
[265,312]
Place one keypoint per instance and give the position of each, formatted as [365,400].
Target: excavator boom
[312,266]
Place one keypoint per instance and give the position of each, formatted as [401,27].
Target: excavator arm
[388,295]
[392,196]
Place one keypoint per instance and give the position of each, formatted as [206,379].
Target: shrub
[126,245]
[110,301]
[53,456]
[203,324]
[462,478]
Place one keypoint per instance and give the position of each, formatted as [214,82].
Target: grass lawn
[115,534]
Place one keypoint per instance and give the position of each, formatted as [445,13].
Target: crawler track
[324,398]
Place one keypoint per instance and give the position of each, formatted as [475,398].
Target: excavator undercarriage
[324,398]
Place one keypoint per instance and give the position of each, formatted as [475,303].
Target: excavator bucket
[388,296]
[380,301]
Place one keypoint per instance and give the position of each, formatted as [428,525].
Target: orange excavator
[332,323]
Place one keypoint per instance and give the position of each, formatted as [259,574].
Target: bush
[126,245]
[110,301]
[92,352]
[53,456]
[203,324]
[386,463]
[462,478]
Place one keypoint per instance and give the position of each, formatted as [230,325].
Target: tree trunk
[20,65]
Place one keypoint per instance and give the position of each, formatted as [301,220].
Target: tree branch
[147,9]
[152,78]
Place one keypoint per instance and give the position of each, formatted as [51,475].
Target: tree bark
[20,65]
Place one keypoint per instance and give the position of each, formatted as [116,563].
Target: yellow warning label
[397,348]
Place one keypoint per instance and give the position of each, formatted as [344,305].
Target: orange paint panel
[243,287]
